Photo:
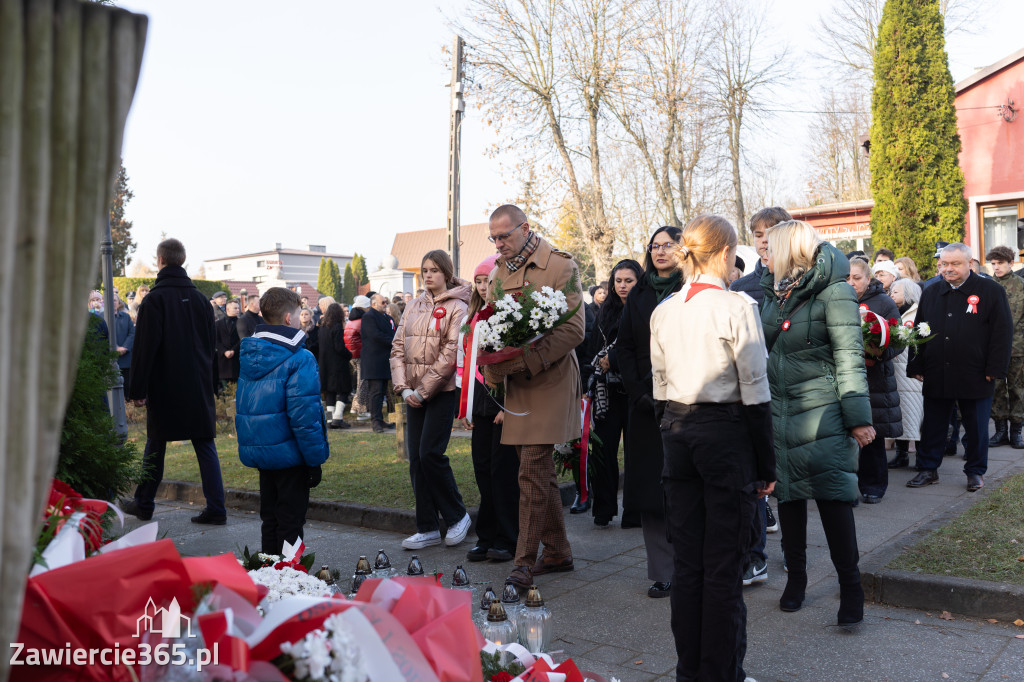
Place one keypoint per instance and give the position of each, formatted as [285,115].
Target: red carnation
[502,677]
[486,312]
[875,328]
[893,322]
[65,490]
[518,296]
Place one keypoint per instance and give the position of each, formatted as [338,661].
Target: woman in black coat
[335,370]
[606,380]
[873,468]
[641,489]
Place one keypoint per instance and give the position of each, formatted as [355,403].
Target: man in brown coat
[545,384]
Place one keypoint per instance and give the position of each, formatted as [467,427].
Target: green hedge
[207,286]
[93,459]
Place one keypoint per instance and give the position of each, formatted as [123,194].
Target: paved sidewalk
[605,621]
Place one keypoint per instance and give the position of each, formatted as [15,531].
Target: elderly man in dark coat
[173,374]
[970,318]
[377,333]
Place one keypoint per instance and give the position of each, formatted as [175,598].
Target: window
[999,224]
[261,263]
[227,266]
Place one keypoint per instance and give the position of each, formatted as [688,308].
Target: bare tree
[656,101]
[838,167]
[545,66]
[849,33]
[743,67]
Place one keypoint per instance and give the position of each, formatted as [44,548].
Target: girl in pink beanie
[495,466]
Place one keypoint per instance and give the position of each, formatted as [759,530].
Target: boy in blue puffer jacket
[279,418]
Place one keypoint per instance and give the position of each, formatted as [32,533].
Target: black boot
[851,604]
[1000,436]
[579,507]
[902,458]
[1016,440]
[793,519]
[793,596]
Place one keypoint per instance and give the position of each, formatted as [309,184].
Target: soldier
[1008,403]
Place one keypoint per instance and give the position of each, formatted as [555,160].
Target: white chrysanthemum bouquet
[514,321]
[328,654]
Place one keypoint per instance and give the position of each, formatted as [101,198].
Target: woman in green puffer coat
[821,412]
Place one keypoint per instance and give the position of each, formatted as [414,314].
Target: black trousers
[605,481]
[873,468]
[496,468]
[710,502]
[427,432]
[330,397]
[209,474]
[376,392]
[284,498]
[975,414]
[840,532]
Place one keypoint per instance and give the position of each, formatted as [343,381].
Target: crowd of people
[668,351]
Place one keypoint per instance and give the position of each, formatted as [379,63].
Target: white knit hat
[361,302]
[886,266]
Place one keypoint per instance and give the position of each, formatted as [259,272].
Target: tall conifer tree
[916,180]
[351,291]
[339,293]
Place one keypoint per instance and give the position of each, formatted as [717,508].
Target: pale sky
[326,122]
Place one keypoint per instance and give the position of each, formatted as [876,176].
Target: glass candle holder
[498,628]
[534,623]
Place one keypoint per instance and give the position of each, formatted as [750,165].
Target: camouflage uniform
[1008,402]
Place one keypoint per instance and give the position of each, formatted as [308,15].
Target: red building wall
[991,156]
[992,138]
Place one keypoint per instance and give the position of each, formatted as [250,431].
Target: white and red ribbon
[290,556]
[587,411]
[883,341]
[972,303]
[469,373]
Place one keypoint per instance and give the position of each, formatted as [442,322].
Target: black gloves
[759,420]
[315,474]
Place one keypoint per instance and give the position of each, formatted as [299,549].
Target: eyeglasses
[503,237]
[651,248]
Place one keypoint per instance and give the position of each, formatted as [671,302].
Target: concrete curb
[348,513]
[927,591]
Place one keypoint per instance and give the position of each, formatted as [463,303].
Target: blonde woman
[423,358]
[907,268]
[820,403]
[708,363]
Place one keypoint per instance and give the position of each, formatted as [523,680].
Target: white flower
[287,582]
[328,654]
[924,329]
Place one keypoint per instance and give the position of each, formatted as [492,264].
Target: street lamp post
[117,408]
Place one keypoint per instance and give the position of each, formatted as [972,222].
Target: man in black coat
[377,333]
[970,318]
[173,373]
[228,343]
[248,320]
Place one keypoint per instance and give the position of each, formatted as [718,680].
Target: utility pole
[454,137]
[116,394]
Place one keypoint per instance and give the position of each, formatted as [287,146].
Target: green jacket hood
[830,266]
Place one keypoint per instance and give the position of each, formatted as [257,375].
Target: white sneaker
[458,532]
[421,540]
[363,417]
